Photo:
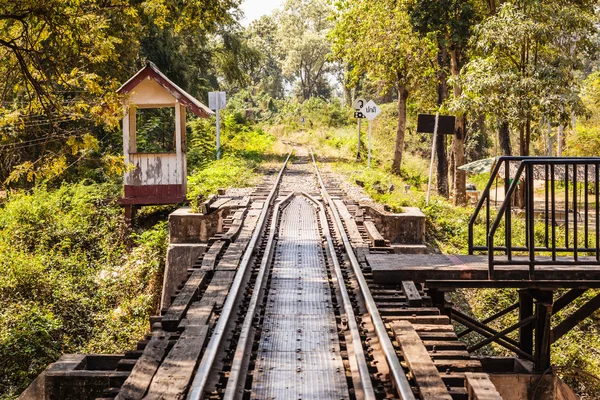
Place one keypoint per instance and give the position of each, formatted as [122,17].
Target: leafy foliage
[72,280]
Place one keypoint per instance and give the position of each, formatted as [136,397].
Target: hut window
[155,130]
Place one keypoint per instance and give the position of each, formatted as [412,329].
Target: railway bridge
[297,292]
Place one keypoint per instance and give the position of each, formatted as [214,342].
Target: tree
[526,64]
[61,63]
[451,21]
[302,34]
[376,40]
[267,76]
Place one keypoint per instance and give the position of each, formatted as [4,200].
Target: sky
[254,9]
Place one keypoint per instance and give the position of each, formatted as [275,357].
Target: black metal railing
[535,224]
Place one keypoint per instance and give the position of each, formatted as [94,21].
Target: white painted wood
[178,140]
[155,169]
[184,148]
[126,140]
[132,129]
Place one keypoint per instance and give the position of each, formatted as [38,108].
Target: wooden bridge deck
[472,271]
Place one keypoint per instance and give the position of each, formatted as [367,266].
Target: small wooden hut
[158,177]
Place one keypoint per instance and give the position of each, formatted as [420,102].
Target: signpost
[358,105]
[370,111]
[216,101]
[442,124]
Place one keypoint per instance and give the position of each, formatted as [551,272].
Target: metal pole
[435,129]
[358,152]
[218,134]
[370,132]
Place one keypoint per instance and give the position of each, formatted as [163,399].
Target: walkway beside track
[299,352]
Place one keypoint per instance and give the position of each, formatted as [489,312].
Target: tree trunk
[440,143]
[504,139]
[524,138]
[402,97]
[458,141]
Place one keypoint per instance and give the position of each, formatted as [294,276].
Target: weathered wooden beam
[480,387]
[566,299]
[146,366]
[376,239]
[172,379]
[422,367]
[210,257]
[183,300]
[570,322]
[412,293]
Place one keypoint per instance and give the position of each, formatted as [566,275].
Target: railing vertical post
[552,188]
[575,170]
[546,183]
[530,223]
[566,206]
[487,219]
[507,223]
[596,191]
[586,205]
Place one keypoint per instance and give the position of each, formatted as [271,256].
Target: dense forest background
[521,76]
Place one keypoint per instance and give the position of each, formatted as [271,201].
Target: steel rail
[399,377]
[359,355]
[198,386]
[231,390]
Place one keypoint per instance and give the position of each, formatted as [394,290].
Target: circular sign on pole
[359,103]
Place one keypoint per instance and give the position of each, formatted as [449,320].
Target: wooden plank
[205,206]
[342,209]
[422,368]
[210,257]
[146,366]
[219,202]
[480,387]
[239,214]
[376,239]
[231,258]
[233,231]
[457,365]
[199,313]
[395,268]
[412,293]
[353,233]
[183,300]
[172,379]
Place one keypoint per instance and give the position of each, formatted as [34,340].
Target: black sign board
[426,123]
[358,114]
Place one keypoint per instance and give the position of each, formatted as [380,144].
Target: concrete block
[188,227]
[180,257]
[70,379]
[407,227]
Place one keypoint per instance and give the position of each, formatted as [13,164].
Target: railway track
[282,306]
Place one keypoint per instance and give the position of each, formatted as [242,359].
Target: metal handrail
[527,166]
[485,195]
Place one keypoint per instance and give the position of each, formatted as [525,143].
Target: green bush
[72,279]
[228,172]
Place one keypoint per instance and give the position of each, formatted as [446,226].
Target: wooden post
[178,146]
[126,121]
[183,148]
[525,311]
[543,312]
